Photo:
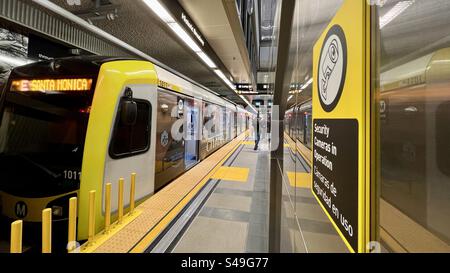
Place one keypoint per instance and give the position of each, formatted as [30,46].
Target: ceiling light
[308,83]
[220,74]
[224,78]
[398,9]
[290,97]
[184,36]
[248,103]
[159,10]
[206,59]
[162,13]
[231,85]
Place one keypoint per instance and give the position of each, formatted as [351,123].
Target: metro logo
[21,209]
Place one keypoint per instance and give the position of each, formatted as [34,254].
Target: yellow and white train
[71,125]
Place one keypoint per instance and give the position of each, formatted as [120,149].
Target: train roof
[90,65]
[69,65]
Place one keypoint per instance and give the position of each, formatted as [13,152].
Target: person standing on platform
[257,135]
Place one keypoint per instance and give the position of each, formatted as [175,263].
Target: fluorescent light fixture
[248,103]
[224,78]
[184,36]
[164,15]
[220,74]
[308,83]
[13,60]
[206,59]
[159,10]
[398,9]
[290,97]
[231,85]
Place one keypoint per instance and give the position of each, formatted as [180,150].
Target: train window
[132,138]
[307,116]
[45,131]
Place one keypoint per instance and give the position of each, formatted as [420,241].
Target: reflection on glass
[42,136]
[414,119]
[169,151]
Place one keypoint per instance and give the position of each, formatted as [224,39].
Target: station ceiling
[211,18]
[135,24]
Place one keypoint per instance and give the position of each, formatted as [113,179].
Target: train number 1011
[72,175]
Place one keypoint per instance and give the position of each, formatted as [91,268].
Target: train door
[170,145]
[192,121]
[229,125]
[132,142]
[236,132]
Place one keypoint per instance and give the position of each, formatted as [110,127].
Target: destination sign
[51,85]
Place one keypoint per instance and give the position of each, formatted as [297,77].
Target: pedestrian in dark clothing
[257,135]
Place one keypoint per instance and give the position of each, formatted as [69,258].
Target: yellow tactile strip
[297,145]
[299,180]
[156,208]
[232,174]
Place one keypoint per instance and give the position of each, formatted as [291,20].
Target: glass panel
[213,129]
[414,119]
[42,137]
[192,111]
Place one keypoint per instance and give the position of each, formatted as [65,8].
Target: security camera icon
[328,65]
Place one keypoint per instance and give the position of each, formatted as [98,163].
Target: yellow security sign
[341,123]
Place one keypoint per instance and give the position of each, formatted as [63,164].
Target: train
[298,123]
[72,125]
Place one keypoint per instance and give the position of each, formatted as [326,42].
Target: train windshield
[42,137]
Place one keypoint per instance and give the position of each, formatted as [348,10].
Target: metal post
[72,224]
[132,192]
[47,231]
[281,92]
[120,206]
[107,207]
[276,194]
[16,237]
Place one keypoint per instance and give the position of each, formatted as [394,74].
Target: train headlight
[57,211]
[60,207]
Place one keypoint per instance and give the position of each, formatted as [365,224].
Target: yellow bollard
[47,231]
[107,206]
[91,222]
[132,192]
[16,237]
[120,206]
[72,224]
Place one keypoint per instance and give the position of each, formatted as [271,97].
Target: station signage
[341,143]
[244,87]
[191,27]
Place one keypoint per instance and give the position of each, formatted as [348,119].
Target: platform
[156,213]
[234,219]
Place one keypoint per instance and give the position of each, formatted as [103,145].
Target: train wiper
[43,168]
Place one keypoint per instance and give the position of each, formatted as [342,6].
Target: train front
[44,114]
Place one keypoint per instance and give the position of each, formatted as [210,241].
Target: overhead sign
[192,28]
[341,131]
[244,87]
